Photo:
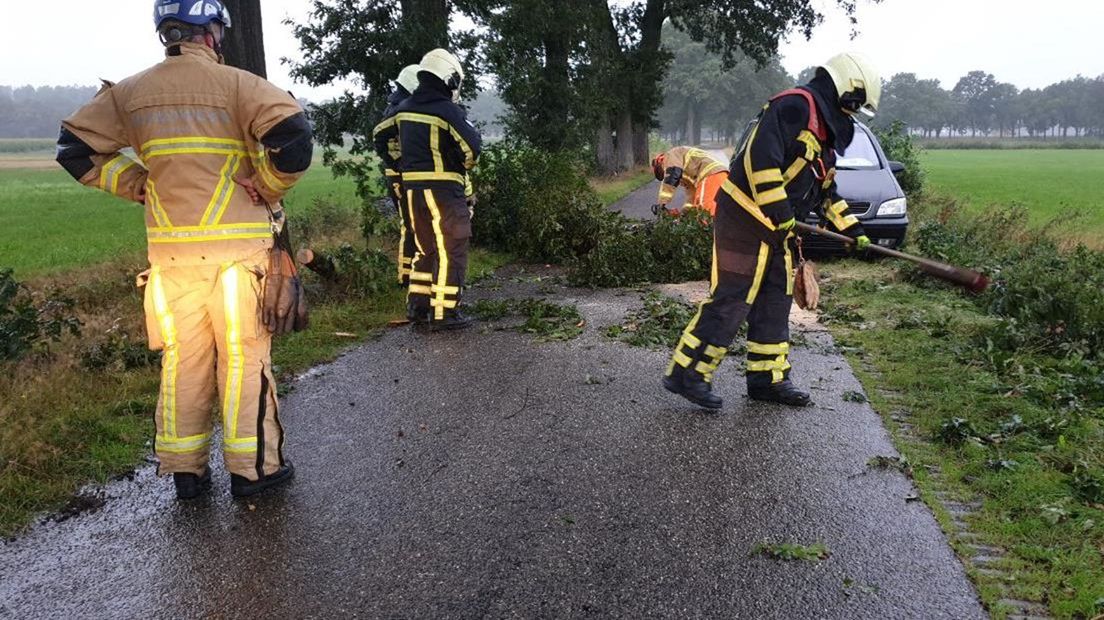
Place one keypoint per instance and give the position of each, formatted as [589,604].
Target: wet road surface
[482,474]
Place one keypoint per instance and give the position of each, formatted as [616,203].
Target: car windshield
[859,155]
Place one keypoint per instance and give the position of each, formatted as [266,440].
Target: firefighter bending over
[438,146]
[785,169]
[699,174]
[217,148]
[386,136]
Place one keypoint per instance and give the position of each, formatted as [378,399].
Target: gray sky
[1026,43]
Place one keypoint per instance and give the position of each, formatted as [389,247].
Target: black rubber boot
[784,392]
[454,319]
[240,486]
[417,314]
[191,486]
[693,387]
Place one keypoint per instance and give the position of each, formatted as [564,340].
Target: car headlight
[897,206]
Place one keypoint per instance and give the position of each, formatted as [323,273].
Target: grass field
[50,223]
[1047,182]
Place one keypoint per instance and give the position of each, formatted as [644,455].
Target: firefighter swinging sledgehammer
[218,149]
[699,174]
[784,170]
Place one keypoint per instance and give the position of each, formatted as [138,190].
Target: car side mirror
[896,167]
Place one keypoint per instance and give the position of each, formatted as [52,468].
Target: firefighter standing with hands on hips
[217,148]
[784,170]
[405,84]
[438,146]
[699,174]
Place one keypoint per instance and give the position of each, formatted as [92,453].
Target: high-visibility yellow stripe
[435,148]
[682,359]
[795,169]
[419,250]
[170,361]
[427,119]
[224,192]
[666,193]
[433,176]
[715,352]
[691,341]
[469,154]
[747,203]
[391,173]
[214,228]
[421,276]
[442,257]
[264,165]
[387,122]
[182,445]
[789,266]
[763,365]
[194,140]
[760,270]
[712,167]
[420,289]
[768,349]
[235,357]
[748,173]
[209,237]
[447,290]
[111,171]
[770,175]
[156,208]
[812,145]
[239,445]
[772,196]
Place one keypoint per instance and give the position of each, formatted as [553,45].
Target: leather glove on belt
[284,306]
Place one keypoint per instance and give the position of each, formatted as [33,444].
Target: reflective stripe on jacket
[194,125]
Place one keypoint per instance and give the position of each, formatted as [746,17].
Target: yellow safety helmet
[857,82]
[443,64]
[408,77]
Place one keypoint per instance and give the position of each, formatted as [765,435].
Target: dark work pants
[753,281]
[442,230]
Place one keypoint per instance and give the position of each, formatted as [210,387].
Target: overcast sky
[1030,44]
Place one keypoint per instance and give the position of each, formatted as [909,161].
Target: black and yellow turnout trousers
[407,244]
[752,280]
[785,169]
[442,230]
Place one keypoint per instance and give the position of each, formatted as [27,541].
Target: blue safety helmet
[195,12]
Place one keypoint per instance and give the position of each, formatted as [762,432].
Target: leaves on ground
[792,551]
[546,320]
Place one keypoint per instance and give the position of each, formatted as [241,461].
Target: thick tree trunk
[603,147]
[624,141]
[642,155]
[243,46]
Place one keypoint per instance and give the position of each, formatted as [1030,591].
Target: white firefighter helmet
[408,77]
[857,82]
[443,64]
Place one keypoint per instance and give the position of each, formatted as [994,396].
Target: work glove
[283,302]
[788,225]
[862,242]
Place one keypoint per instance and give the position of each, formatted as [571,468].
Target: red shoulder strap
[814,120]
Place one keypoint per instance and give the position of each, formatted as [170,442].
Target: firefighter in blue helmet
[217,148]
[784,170]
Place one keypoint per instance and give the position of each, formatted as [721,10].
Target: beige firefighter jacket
[195,125]
[687,166]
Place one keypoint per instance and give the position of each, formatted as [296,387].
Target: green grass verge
[50,224]
[20,146]
[1029,454]
[1048,182]
[612,189]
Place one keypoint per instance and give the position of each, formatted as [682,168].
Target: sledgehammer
[968,278]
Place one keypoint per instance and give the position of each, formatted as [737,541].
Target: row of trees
[575,74]
[979,104]
[29,112]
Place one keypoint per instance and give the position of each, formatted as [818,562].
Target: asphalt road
[482,474]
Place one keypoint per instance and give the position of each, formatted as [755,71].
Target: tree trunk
[625,156]
[603,147]
[243,46]
[642,155]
